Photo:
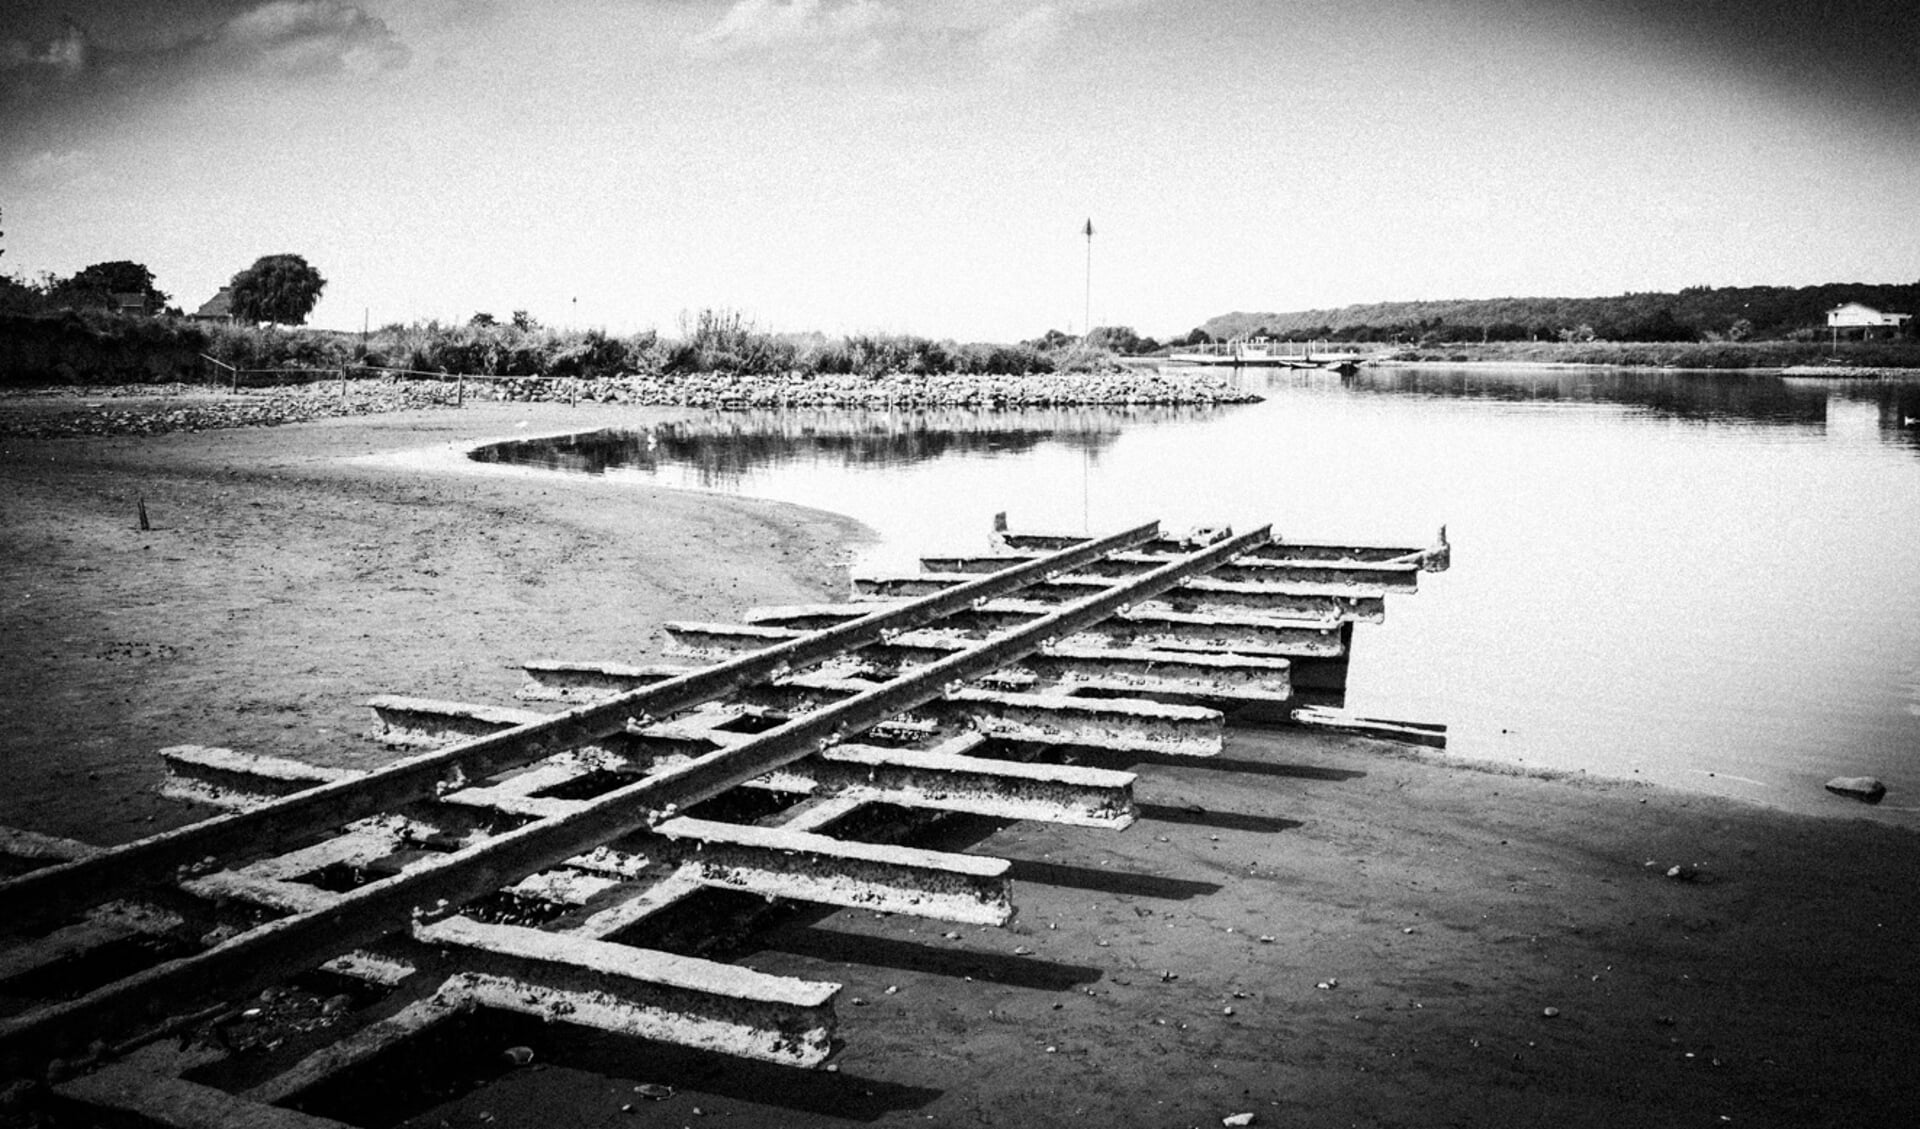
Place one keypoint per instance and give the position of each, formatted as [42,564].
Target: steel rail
[268,953]
[56,892]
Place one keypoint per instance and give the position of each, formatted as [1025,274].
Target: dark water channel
[1711,581]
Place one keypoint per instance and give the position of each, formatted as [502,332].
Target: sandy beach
[1316,931]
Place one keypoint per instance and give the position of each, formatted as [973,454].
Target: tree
[482,320]
[1114,338]
[18,297]
[1052,339]
[96,285]
[1659,325]
[276,288]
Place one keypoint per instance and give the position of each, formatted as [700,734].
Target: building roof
[129,301]
[1861,314]
[218,306]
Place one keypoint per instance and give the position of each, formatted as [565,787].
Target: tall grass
[726,341]
[877,354]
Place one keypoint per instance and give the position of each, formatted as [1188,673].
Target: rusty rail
[58,891]
[906,670]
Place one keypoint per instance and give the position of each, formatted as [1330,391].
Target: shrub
[726,341]
[72,347]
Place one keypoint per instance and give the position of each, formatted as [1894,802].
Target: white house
[1853,315]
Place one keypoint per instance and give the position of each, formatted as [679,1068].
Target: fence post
[460,390]
[573,393]
[343,385]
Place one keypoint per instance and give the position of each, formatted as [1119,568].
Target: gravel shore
[159,409]
[1852,372]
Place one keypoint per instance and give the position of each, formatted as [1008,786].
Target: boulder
[1866,789]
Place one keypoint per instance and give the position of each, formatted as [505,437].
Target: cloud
[309,37]
[1025,38]
[61,58]
[54,165]
[923,37]
[991,13]
[853,29]
[282,37]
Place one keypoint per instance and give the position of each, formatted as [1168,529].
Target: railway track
[511,862]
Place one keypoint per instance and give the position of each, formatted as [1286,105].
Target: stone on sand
[1866,789]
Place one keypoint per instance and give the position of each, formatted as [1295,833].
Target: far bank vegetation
[1697,327]
[100,346]
[1704,314]
[77,330]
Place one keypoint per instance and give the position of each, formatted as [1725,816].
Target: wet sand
[287,578]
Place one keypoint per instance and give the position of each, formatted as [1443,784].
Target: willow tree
[281,289]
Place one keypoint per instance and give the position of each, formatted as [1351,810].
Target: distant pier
[1266,352]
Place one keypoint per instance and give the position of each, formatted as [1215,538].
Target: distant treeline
[98,346]
[1697,313]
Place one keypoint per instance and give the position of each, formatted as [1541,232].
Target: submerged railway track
[511,865]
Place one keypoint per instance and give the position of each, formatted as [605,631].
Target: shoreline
[1817,372]
[447,460]
[1818,803]
[1567,366]
[1314,929]
[284,582]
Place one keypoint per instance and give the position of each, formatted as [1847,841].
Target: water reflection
[722,450]
[1687,395]
[1696,578]
[1690,395]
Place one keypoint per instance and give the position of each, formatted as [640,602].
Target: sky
[853,166]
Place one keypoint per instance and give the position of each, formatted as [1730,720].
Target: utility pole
[1086,324]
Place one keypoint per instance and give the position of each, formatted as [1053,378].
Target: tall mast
[1086,324]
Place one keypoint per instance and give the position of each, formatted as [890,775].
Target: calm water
[1711,581]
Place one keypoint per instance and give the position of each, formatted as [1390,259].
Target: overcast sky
[926,167]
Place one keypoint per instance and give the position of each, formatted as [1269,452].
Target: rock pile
[154,410]
[1850,372]
[728,390]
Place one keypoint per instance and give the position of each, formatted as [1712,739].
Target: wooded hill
[1697,313]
